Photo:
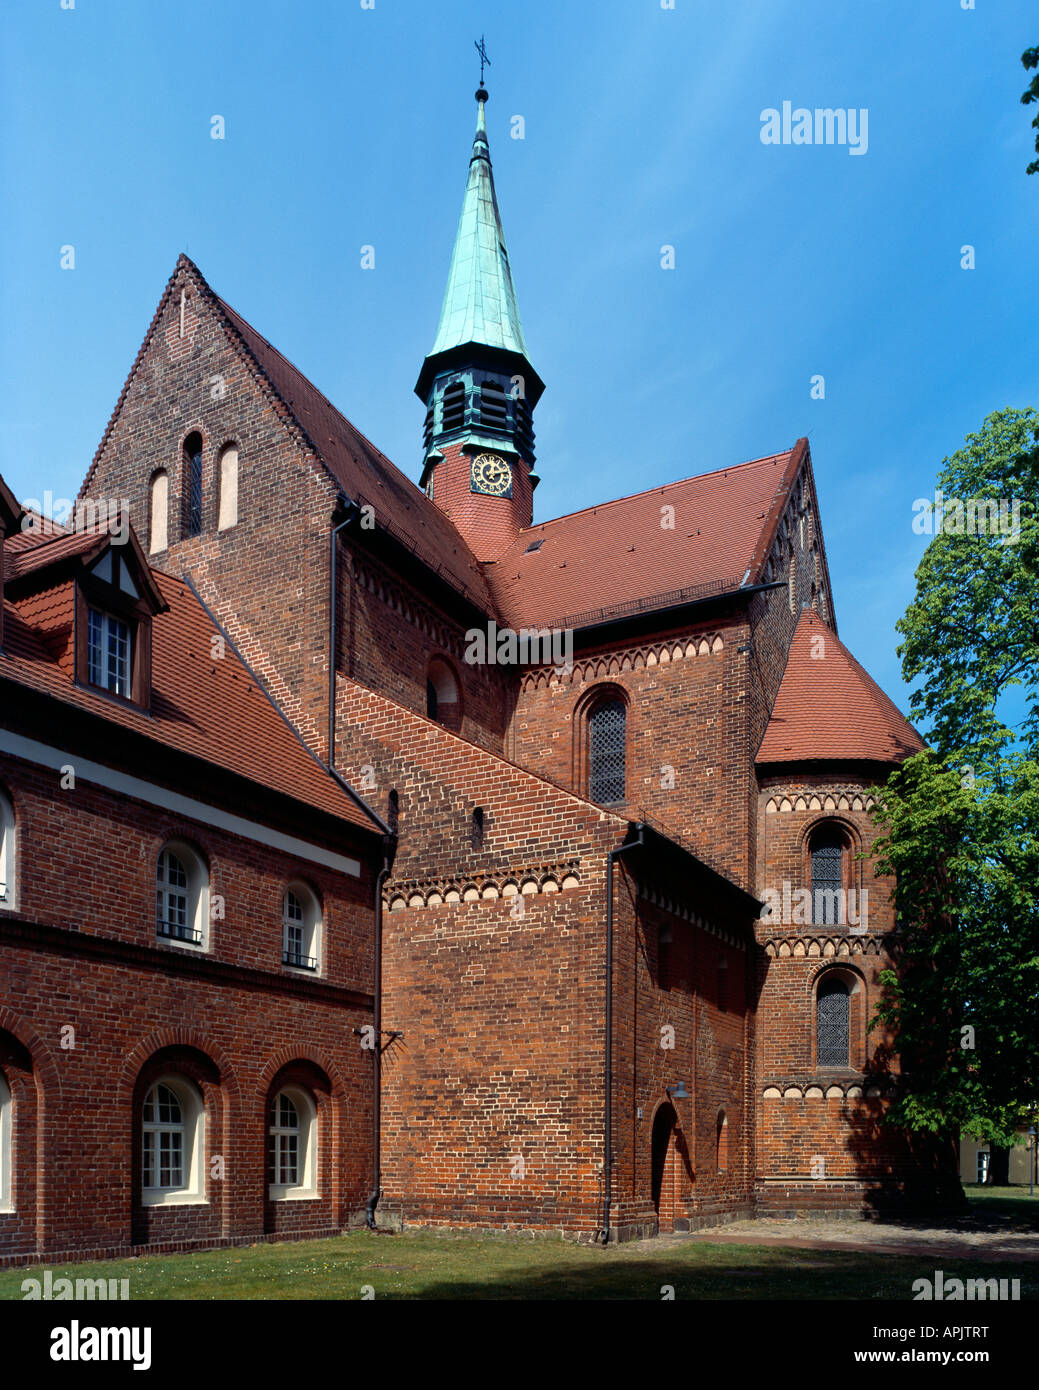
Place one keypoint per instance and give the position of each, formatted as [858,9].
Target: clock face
[491,474]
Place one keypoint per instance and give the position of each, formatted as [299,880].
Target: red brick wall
[488,524]
[81,953]
[267,577]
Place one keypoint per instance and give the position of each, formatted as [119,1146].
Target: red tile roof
[598,560]
[210,708]
[26,553]
[828,708]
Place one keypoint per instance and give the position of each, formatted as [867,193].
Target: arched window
[722,1142]
[228,513]
[291,1145]
[827,848]
[7,855]
[301,927]
[171,1142]
[182,896]
[442,702]
[193,485]
[158,512]
[833,1022]
[476,828]
[723,983]
[607,748]
[393,810]
[6,1187]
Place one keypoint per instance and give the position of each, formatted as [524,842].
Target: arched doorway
[663,1166]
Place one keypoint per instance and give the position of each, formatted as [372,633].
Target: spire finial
[481,93]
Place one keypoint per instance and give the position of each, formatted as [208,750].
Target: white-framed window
[291,1145]
[108,652]
[172,1143]
[182,896]
[7,855]
[301,928]
[6,1114]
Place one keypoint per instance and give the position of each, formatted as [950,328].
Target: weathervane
[483,56]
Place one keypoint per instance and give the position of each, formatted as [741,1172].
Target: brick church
[373,850]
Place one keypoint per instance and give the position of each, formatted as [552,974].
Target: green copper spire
[480,302]
[477,382]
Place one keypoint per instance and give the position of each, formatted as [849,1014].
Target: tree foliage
[959,822]
[1030,59]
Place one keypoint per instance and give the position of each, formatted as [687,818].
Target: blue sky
[348,127]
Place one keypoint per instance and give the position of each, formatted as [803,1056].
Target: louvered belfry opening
[453,417]
[607,727]
[493,405]
[833,1023]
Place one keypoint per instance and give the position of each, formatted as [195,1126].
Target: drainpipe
[346,511]
[380,879]
[607,1145]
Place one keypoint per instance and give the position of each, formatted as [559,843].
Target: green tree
[1030,59]
[959,822]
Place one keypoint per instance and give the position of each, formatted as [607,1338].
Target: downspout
[380,879]
[607,1146]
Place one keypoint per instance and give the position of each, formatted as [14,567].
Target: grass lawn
[424,1266]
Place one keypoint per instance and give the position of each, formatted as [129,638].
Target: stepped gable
[829,709]
[616,557]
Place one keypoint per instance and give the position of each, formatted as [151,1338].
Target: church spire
[478,382]
[480,301]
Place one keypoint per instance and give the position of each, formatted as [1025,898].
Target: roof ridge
[660,487]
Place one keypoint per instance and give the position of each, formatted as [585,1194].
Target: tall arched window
[722,1142]
[7,855]
[827,848]
[833,1022]
[301,927]
[228,513]
[182,896]
[6,1192]
[171,1142]
[158,512]
[193,485]
[291,1145]
[607,748]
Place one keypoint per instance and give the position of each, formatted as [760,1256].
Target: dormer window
[116,598]
[108,652]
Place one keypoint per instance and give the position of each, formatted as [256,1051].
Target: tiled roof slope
[209,708]
[618,554]
[829,709]
[363,472]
